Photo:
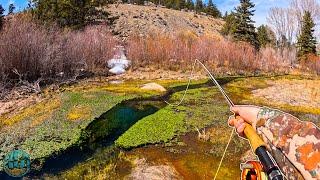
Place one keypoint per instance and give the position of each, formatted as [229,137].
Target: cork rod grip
[254,139]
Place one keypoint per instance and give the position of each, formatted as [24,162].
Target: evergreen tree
[182,4]
[265,36]
[306,41]
[245,30]
[11,8]
[199,6]
[1,17]
[212,9]
[170,4]
[190,4]
[225,15]
[72,13]
[230,24]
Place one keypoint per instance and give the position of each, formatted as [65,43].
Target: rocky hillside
[140,20]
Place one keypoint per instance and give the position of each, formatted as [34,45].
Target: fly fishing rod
[257,144]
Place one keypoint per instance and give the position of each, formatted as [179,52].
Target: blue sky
[262,6]
[20,4]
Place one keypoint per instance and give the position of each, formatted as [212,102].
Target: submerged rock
[160,172]
[153,87]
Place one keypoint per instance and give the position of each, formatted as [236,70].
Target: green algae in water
[120,118]
[201,107]
[100,135]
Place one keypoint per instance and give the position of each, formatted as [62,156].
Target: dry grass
[35,111]
[304,93]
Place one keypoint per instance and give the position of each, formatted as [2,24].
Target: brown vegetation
[32,55]
[30,52]
[222,56]
[312,64]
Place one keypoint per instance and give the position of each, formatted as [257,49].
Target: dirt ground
[294,92]
[18,103]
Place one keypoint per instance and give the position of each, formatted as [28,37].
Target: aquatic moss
[79,112]
[201,107]
[58,132]
[159,127]
[105,164]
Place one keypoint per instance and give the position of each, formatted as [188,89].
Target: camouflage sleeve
[295,144]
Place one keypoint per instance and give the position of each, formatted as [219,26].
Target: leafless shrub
[312,64]
[89,49]
[31,53]
[223,56]
[23,46]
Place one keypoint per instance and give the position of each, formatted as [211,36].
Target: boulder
[153,87]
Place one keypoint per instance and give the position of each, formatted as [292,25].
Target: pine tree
[1,17]
[225,15]
[169,4]
[72,13]
[306,41]
[11,8]
[182,4]
[190,4]
[245,30]
[212,9]
[229,26]
[199,6]
[265,36]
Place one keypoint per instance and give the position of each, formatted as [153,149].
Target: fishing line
[186,90]
[224,154]
[189,82]
[227,98]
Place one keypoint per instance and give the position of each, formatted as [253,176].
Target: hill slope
[140,20]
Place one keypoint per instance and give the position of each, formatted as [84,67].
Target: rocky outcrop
[141,20]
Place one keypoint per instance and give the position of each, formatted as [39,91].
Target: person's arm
[294,144]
